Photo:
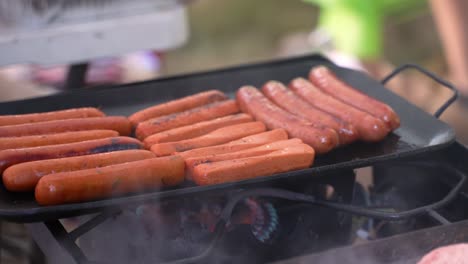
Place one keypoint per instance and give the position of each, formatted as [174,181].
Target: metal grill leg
[59,232]
[76,76]
[54,252]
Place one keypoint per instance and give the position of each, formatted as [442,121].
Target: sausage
[190,163]
[116,123]
[219,136]
[113,180]
[23,177]
[8,120]
[252,101]
[249,152]
[11,157]
[293,158]
[370,129]
[237,145]
[189,117]
[286,99]
[195,130]
[176,106]
[327,81]
[54,139]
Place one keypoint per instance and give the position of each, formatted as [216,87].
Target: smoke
[153,233]
[169,230]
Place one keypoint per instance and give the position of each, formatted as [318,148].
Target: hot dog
[286,99]
[23,177]
[116,123]
[237,145]
[326,80]
[105,182]
[256,104]
[8,120]
[195,115]
[219,136]
[293,158]
[11,157]
[370,129]
[177,106]
[54,139]
[190,163]
[195,130]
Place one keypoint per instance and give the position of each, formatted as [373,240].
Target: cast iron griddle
[419,131]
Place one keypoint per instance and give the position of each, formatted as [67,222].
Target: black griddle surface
[419,132]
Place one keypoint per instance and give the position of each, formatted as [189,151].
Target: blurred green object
[356,26]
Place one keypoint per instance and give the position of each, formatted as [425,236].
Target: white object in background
[321,41]
[78,36]
[317,41]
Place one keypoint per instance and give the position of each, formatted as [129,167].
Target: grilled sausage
[370,129]
[237,145]
[293,158]
[11,157]
[23,177]
[105,182]
[195,115]
[116,123]
[176,106]
[190,163]
[8,120]
[195,130]
[219,136]
[286,99]
[326,80]
[54,139]
[255,103]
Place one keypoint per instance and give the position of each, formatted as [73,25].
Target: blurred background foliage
[242,31]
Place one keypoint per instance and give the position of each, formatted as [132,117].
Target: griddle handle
[431,75]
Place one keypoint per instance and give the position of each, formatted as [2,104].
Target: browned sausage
[54,139]
[113,180]
[217,137]
[23,177]
[195,115]
[196,130]
[286,99]
[11,157]
[237,145]
[370,129]
[252,101]
[293,158]
[176,106]
[8,120]
[116,123]
[190,163]
[326,80]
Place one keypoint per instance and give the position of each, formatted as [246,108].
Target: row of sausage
[80,154]
[323,111]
